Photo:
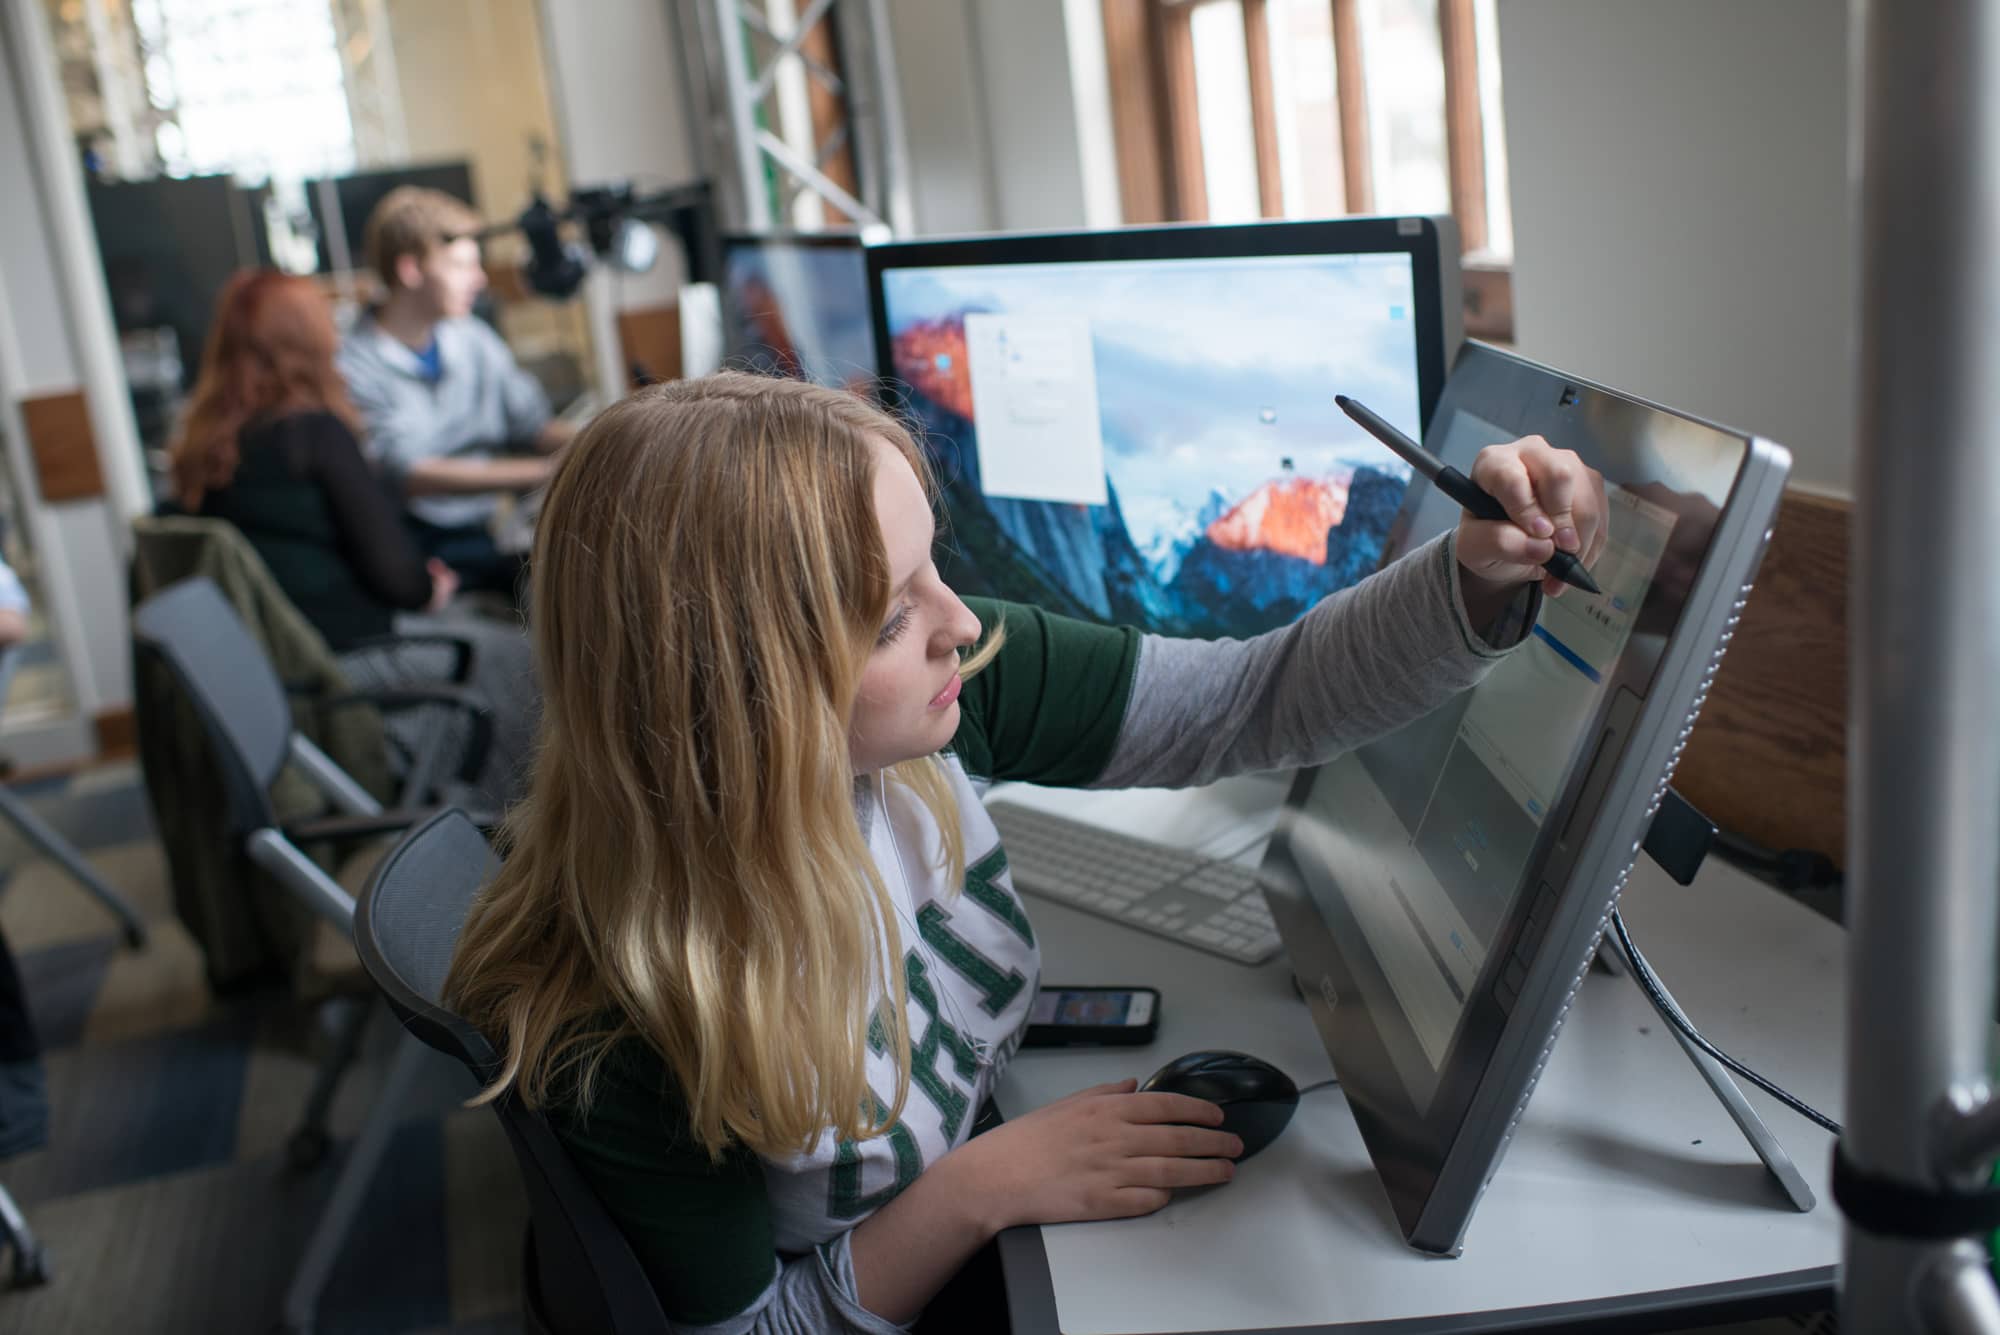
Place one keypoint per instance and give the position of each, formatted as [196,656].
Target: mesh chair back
[585,1279]
[238,697]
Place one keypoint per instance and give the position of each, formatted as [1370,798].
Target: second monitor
[797,305]
[1138,426]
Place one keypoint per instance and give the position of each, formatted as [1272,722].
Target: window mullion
[1465,138]
[1183,99]
[1351,82]
[1263,108]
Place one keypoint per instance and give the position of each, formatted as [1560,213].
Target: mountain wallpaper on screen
[1232,568]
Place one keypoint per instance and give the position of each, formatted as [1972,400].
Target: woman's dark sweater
[325,523]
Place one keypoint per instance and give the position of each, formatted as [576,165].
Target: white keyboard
[1171,892]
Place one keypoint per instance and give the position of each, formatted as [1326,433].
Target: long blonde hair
[688,867]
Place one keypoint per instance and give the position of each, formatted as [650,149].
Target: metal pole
[894,202]
[695,100]
[737,88]
[718,53]
[1924,786]
[1959,1298]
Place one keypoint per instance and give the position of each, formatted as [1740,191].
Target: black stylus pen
[1471,497]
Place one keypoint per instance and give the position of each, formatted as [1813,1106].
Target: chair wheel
[307,1149]
[31,1268]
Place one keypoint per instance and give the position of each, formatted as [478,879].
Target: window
[1228,110]
[1223,111]
[249,87]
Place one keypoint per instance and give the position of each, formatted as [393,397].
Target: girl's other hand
[1101,1153]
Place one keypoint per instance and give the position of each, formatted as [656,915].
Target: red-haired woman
[269,444]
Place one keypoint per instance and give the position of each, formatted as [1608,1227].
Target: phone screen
[1097,1007]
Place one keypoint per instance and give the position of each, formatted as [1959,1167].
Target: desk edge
[1031,1302]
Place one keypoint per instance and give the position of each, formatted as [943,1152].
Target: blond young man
[449,413]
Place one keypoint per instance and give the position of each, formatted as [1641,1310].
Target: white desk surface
[1626,1177]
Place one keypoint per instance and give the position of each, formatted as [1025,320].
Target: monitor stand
[1729,1092]
[1677,839]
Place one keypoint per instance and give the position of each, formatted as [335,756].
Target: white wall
[1090,96]
[1007,114]
[944,116]
[1035,152]
[1683,228]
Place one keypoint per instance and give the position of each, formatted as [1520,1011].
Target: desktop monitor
[168,245]
[798,306]
[1441,891]
[1137,426]
[356,195]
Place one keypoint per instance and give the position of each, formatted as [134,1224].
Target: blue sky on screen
[1212,373]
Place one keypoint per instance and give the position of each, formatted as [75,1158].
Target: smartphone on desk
[1092,1017]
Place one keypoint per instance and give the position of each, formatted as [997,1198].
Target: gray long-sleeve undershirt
[1361,664]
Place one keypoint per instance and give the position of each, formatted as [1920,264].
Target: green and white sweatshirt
[754,1245]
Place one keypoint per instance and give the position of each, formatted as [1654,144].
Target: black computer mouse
[1257,1099]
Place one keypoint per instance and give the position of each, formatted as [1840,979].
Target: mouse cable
[1323,1084]
[1643,972]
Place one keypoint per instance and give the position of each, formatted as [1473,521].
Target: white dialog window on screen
[1034,401]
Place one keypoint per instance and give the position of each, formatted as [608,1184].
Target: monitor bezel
[844,240]
[1434,1177]
[1431,243]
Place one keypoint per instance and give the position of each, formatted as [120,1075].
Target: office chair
[58,849]
[579,1275]
[423,742]
[418,743]
[248,723]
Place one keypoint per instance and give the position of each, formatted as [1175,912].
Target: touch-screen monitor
[1441,891]
[1137,426]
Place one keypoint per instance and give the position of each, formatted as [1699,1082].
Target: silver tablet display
[1441,891]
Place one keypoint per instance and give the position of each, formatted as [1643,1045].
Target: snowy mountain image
[1236,493]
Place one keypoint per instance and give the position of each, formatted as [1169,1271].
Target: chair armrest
[391,699]
[462,649]
[346,829]
[340,828]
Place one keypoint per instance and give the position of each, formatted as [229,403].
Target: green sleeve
[1047,709]
[702,1230]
